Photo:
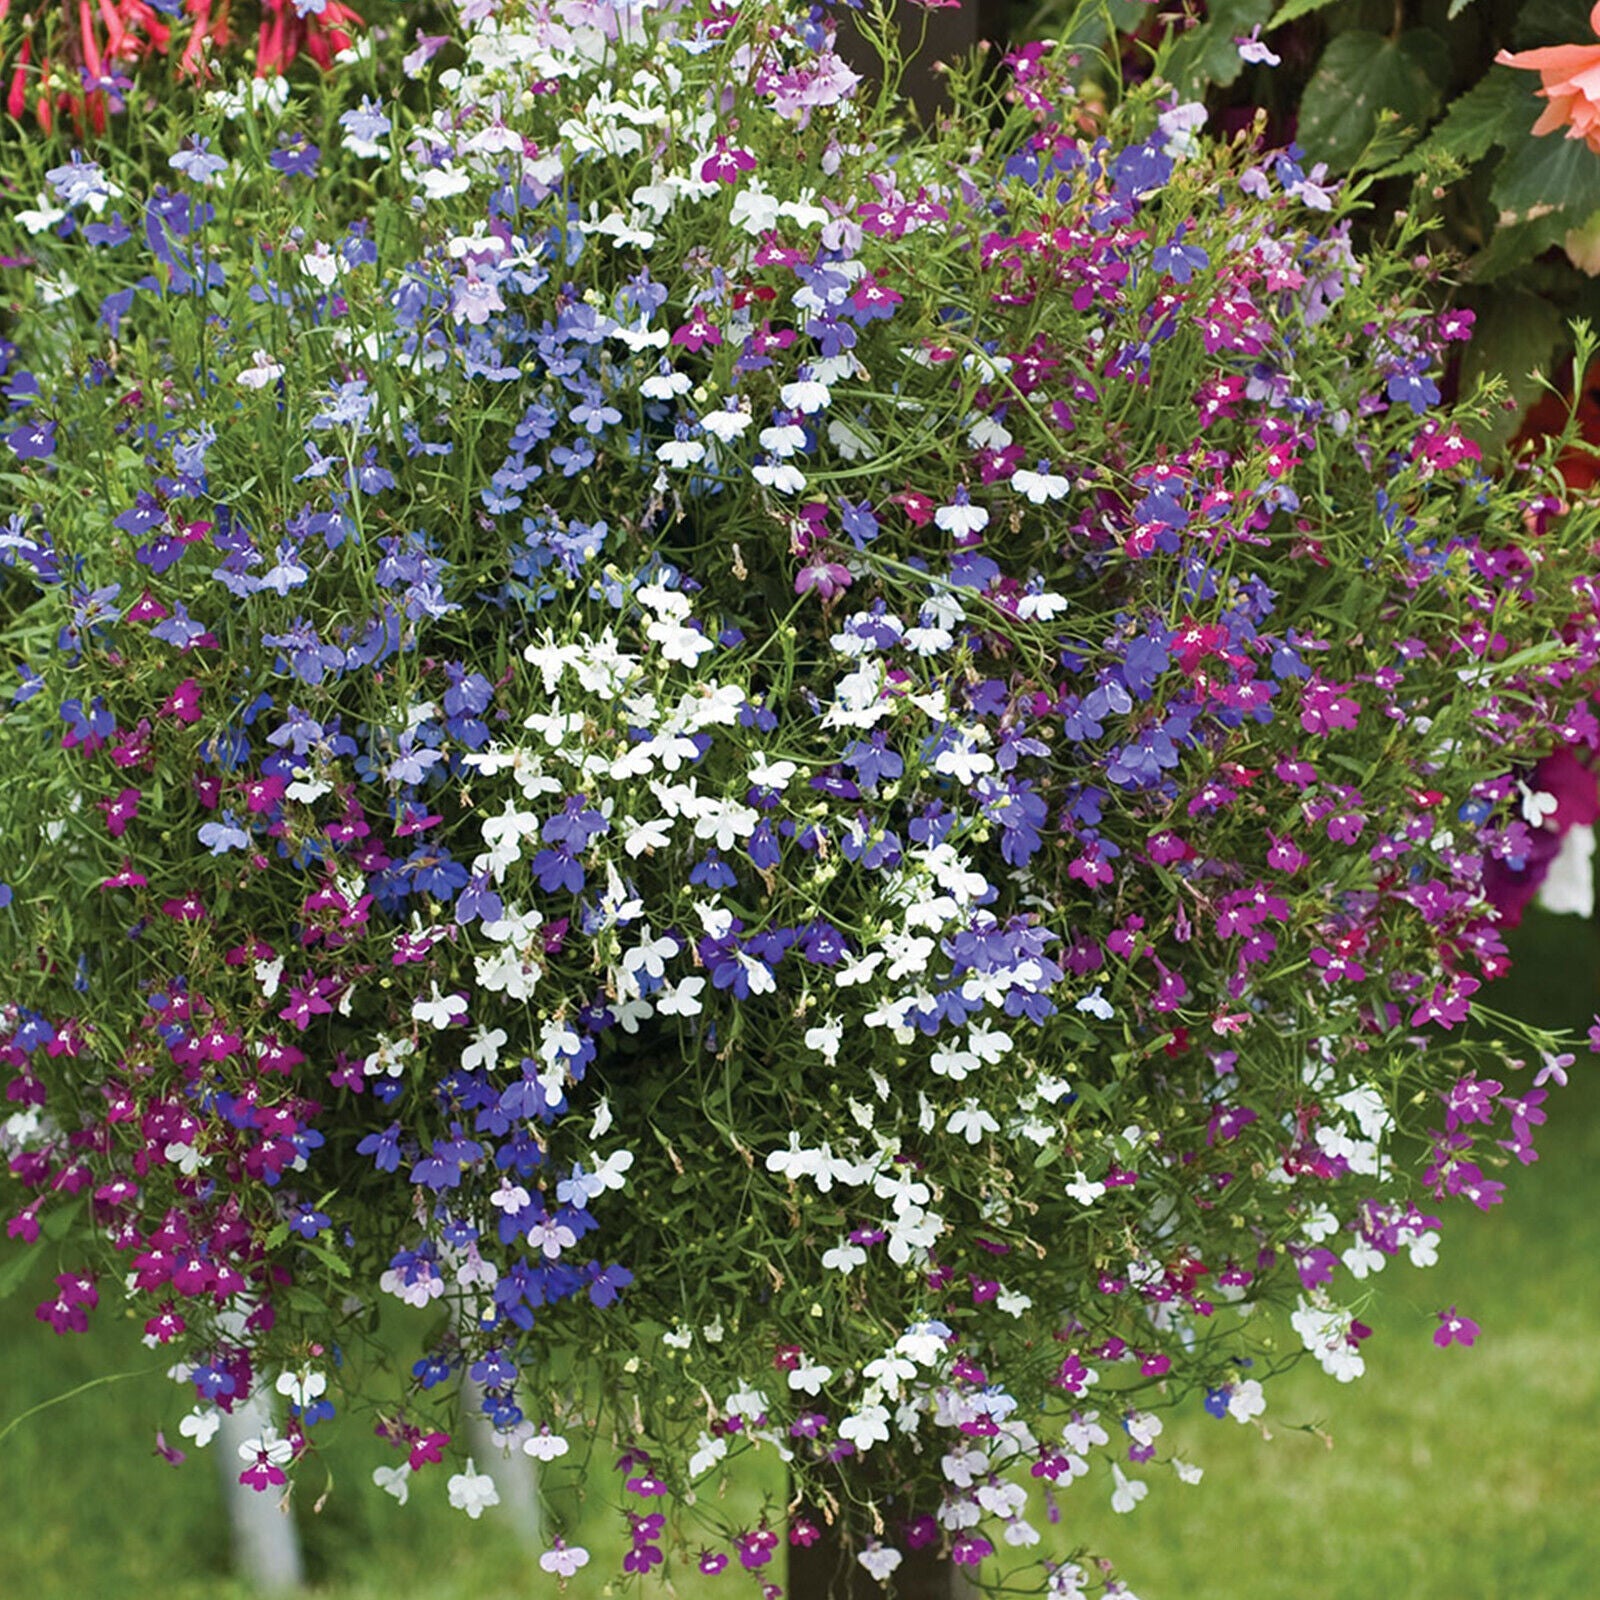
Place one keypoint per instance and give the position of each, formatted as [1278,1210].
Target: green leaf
[1534,655]
[1515,333]
[1499,106]
[1090,26]
[15,1272]
[1513,247]
[1361,74]
[1298,8]
[1542,22]
[1457,7]
[334,1263]
[1550,173]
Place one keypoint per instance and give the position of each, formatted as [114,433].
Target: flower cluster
[79,61]
[839,789]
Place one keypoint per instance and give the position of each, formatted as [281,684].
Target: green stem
[55,1400]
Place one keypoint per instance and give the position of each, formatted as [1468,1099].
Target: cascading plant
[833,788]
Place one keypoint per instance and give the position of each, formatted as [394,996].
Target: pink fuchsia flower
[288,31]
[1570,79]
[1454,1329]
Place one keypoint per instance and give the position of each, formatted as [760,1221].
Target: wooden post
[947,33]
[828,1568]
[266,1543]
[515,1476]
[825,1570]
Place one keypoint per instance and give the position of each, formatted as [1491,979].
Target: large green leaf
[14,1273]
[1298,8]
[1550,173]
[1516,336]
[1512,247]
[1361,74]
[1093,26]
[1542,22]
[1500,106]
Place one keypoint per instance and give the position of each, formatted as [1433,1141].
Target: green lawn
[1463,1473]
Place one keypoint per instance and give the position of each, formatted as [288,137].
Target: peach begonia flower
[1570,74]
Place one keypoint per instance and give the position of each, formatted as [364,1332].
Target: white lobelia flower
[866,1427]
[394,1480]
[1246,1400]
[268,1448]
[545,1445]
[971,1122]
[473,1491]
[807,396]
[439,1010]
[1038,487]
[262,371]
[1144,1427]
[961,517]
[826,1038]
[888,1372]
[880,1560]
[1042,607]
[564,1559]
[708,1452]
[681,999]
[301,1388]
[1127,1493]
[844,1257]
[201,1424]
[484,1051]
[726,425]
[809,1377]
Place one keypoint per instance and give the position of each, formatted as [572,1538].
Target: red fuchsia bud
[17,97]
